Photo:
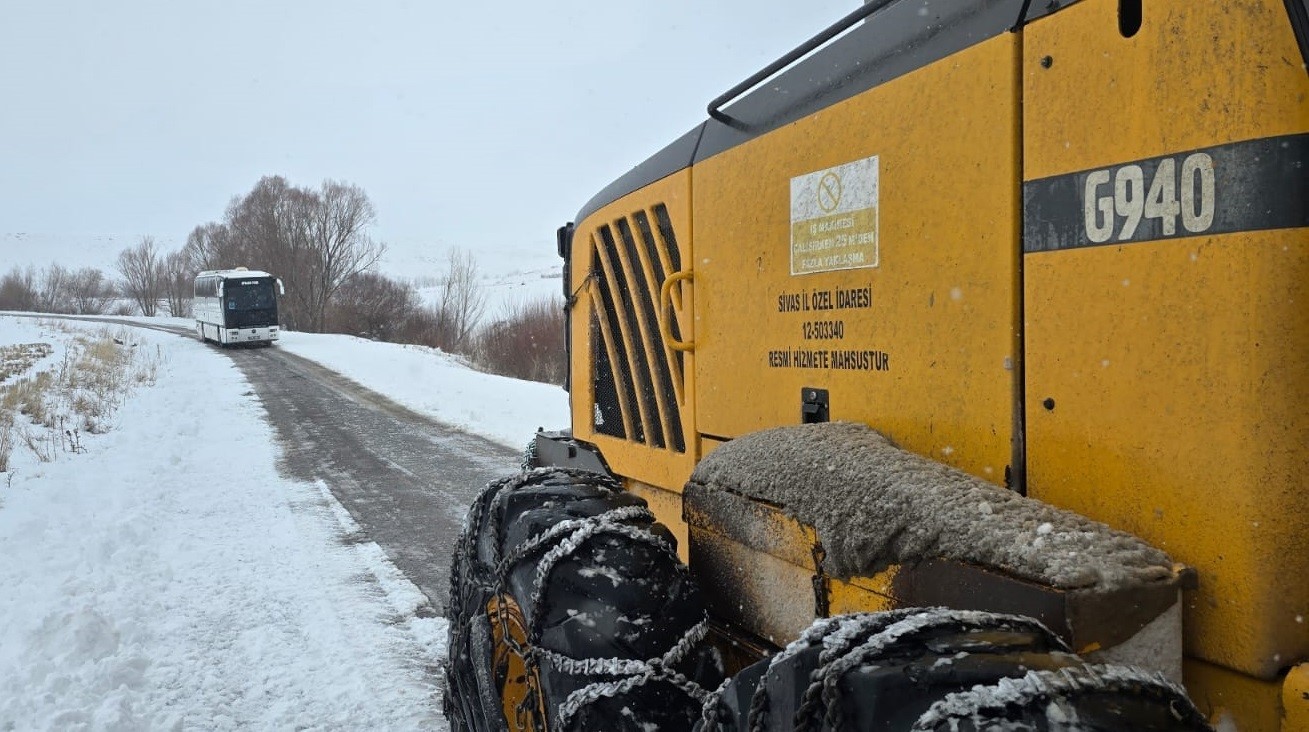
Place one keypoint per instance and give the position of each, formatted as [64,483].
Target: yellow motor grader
[953,374]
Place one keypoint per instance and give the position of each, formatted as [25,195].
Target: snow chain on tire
[529,460]
[569,610]
[936,669]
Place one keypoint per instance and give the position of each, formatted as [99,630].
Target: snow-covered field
[168,578]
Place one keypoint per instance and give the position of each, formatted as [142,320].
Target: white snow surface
[440,386]
[169,578]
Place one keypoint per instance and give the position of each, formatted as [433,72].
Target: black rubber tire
[937,669]
[598,582]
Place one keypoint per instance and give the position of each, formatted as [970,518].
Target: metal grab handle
[666,308]
[823,36]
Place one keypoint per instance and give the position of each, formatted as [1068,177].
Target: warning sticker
[834,218]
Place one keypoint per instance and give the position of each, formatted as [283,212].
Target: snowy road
[405,479]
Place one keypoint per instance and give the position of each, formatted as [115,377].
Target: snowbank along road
[405,479]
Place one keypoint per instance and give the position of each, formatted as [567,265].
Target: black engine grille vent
[639,385]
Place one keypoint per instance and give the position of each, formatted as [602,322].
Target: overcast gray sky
[481,125]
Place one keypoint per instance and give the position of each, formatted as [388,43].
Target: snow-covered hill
[72,251]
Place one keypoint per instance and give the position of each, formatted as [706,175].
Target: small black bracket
[813,405]
[564,241]
[560,450]
[822,597]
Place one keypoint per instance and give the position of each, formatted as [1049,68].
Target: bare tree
[208,247]
[462,299]
[90,291]
[338,243]
[289,248]
[255,226]
[140,268]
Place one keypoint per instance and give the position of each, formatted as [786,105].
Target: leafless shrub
[373,306]
[43,443]
[53,286]
[90,291]
[423,281]
[6,439]
[54,289]
[124,309]
[424,328]
[18,290]
[525,342]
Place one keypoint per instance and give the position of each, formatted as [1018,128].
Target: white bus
[236,306]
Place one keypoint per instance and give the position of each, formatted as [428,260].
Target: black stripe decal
[1241,186]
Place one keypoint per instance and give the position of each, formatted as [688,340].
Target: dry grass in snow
[48,404]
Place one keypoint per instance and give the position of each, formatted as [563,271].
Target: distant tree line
[57,289]
[318,242]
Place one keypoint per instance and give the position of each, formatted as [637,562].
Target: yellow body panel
[1228,697]
[1167,381]
[1196,74]
[942,305]
[667,509]
[1180,418]
[1295,700]
[863,594]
